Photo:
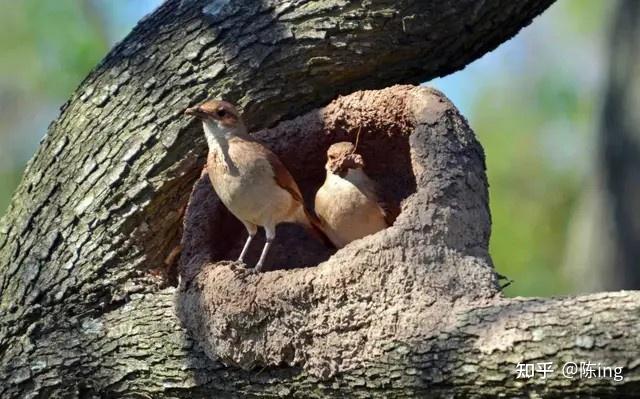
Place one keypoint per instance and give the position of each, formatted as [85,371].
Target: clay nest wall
[328,311]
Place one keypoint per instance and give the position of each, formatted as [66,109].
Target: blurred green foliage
[48,46]
[8,182]
[535,114]
[531,200]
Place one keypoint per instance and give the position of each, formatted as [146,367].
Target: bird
[249,179]
[347,203]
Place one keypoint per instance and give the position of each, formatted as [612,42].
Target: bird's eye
[221,113]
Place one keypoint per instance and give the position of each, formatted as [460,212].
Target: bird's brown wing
[284,179]
[281,174]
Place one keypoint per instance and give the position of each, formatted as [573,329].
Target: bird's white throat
[218,135]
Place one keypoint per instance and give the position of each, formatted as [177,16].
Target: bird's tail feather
[313,225]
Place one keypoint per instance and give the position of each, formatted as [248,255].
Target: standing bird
[248,178]
[347,203]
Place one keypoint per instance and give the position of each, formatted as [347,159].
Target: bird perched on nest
[249,179]
[347,203]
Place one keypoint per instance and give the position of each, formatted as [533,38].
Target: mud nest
[398,285]
[213,234]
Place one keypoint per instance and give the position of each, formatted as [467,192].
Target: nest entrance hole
[213,234]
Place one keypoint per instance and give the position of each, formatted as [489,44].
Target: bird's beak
[194,111]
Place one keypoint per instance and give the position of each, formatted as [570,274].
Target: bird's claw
[240,269]
[256,269]
[234,266]
[244,269]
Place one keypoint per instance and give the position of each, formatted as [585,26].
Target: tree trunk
[606,243]
[620,138]
[87,245]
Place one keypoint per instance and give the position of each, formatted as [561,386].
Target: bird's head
[218,115]
[341,157]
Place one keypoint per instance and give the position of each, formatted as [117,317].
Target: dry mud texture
[327,312]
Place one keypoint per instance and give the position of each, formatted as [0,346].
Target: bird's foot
[239,266]
[242,272]
[256,269]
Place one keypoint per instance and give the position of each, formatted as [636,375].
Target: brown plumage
[347,203]
[249,179]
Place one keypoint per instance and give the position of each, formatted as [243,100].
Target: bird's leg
[244,249]
[251,229]
[265,250]
[270,232]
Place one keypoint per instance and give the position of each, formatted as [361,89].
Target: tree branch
[101,205]
[141,349]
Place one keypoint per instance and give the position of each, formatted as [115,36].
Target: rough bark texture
[99,211]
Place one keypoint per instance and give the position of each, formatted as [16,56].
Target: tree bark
[99,211]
